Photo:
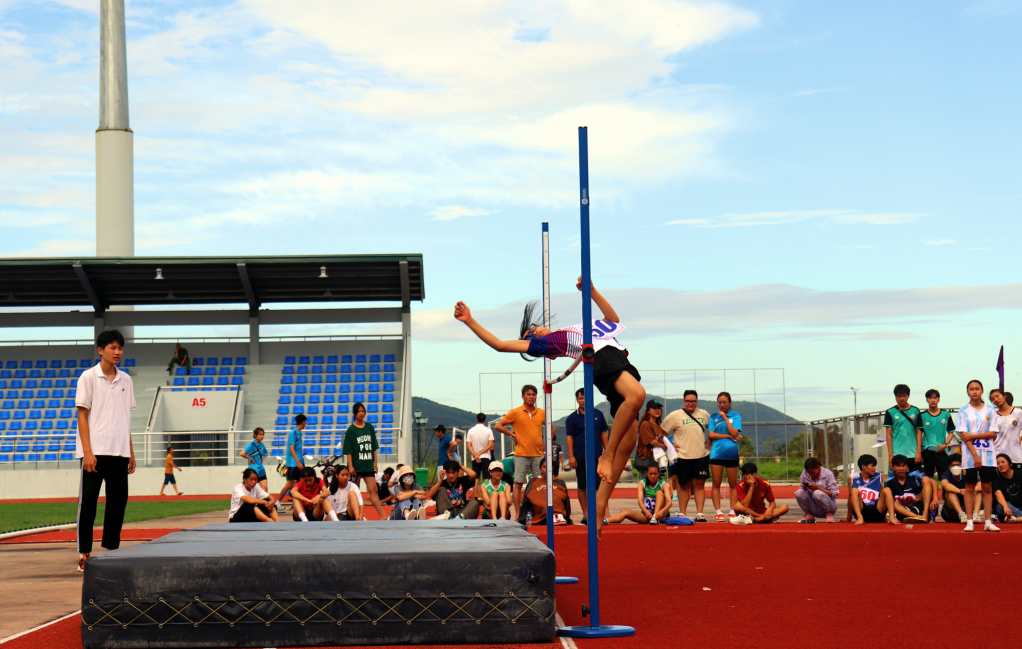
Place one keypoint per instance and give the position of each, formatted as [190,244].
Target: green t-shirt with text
[903,425]
[936,428]
[360,443]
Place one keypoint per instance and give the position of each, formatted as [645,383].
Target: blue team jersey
[294,438]
[869,491]
[724,449]
[257,451]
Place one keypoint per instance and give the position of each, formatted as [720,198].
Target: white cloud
[733,220]
[59,248]
[451,212]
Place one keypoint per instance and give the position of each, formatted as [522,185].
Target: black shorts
[293,474]
[608,364]
[168,478]
[580,474]
[935,462]
[949,515]
[482,469]
[870,514]
[984,474]
[642,464]
[916,508]
[688,470]
[246,513]
[366,474]
[727,464]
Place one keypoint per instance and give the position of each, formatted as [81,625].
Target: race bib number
[982,443]
[868,496]
[603,329]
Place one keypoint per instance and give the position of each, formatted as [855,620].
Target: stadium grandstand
[208,409]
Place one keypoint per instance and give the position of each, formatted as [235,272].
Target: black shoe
[584,522]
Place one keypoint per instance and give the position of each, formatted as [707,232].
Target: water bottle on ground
[528,519]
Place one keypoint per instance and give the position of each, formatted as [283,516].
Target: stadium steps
[262,385]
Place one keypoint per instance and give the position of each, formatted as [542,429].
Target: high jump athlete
[613,376]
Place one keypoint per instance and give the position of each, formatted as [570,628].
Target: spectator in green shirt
[904,431]
[181,358]
[938,426]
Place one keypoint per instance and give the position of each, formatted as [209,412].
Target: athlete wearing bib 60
[867,501]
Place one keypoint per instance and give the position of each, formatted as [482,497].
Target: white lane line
[566,642]
[41,626]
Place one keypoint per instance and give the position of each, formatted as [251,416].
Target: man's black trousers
[114,471]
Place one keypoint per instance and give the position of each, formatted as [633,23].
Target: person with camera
[756,502]
[817,495]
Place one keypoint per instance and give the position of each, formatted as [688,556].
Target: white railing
[205,339]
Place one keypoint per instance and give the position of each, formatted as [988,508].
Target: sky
[826,192]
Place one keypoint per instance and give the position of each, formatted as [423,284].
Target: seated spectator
[953,488]
[534,500]
[818,494]
[756,502]
[409,497]
[1008,490]
[309,498]
[345,496]
[180,358]
[654,496]
[452,493]
[908,494]
[250,503]
[864,502]
[495,494]
[392,483]
[383,486]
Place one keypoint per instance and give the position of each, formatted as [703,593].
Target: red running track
[774,586]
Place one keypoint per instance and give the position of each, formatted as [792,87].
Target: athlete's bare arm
[462,313]
[609,314]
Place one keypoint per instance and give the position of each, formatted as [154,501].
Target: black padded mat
[308,584]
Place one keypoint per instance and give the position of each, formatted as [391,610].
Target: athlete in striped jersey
[978,425]
[613,375]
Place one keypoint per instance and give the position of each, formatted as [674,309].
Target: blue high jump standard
[594,629]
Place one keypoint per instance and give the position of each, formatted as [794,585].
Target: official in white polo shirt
[105,399]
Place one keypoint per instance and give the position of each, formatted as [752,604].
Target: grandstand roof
[105,281]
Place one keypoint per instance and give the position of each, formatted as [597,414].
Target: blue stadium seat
[196,361]
[330,369]
[241,360]
[195,371]
[388,407]
[316,389]
[20,374]
[84,363]
[209,380]
[281,421]
[360,378]
[328,410]
[342,420]
[345,378]
[46,425]
[15,425]
[8,405]
[303,379]
[225,371]
[359,387]
[345,368]
[237,380]
[50,414]
[313,420]
[374,387]
[3,385]
[346,358]
[299,399]
[49,374]
[179,380]
[388,376]
[388,367]
[330,389]
[303,369]
[313,410]
[316,378]
[374,378]
[374,358]
[288,369]
[360,368]
[53,445]
[129,362]
[74,424]
[301,389]
[71,393]
[314,398]
[41,365]
[223,380]
[285,389]
[344,389]
[239,371]
[389,358]
[328,420]
[31,383]
[67,457]
[287,380]
[31,425]
[227,360]
[24,405]
[342,398]
[193,380]
[71,363]
[372,407]
[62,425]
[66,413]
[388,397]
[78,373]
[388,419]
[372,419]
[282,410]
[17,385]
[209,371]
[284,401]
[11,365]
[64,374]
[303,360]
[289,360]
[297,410]
[35,374]
[343,409]
[329,398]
[211,360]
[360,358]
[180,371]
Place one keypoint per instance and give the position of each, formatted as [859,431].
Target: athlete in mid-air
[613,376]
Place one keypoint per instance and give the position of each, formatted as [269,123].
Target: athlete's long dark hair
[528,323]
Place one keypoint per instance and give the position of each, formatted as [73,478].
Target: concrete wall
[63,483]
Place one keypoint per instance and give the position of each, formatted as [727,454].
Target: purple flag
[1000,367]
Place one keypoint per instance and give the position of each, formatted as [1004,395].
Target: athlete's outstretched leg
[621,441]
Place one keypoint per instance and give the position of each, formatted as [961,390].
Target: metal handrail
[205,339]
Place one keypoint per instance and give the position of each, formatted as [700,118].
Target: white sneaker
[428,503]
[977,518]
[654,521]
[741,519]
[422,514]
[442,517]
[989,526]
[968,526]
[962,517]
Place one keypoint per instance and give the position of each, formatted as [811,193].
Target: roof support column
[253,339]
[404,451]
[98,324]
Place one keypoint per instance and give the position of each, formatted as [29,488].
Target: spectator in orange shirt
[526,423]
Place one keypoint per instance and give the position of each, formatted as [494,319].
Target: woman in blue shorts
[725,430]
[254,453]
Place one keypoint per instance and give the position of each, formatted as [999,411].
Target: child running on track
[613,376]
